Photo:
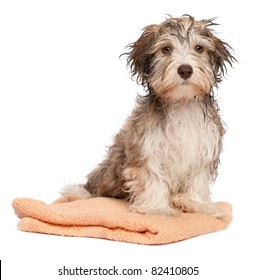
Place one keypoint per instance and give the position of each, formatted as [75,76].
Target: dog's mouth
[185,83]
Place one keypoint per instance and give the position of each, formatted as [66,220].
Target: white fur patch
[179,157]
[75,190]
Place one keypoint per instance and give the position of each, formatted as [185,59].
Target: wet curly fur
[166,155]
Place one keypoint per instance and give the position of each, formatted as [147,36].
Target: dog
[165,157]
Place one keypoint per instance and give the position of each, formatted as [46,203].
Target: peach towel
[109,218]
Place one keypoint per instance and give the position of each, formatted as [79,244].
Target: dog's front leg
[196,198]
[149,194]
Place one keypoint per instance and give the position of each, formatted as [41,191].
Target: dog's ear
[140,58]
[220,57]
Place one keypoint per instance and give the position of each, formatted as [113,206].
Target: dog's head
[179,58]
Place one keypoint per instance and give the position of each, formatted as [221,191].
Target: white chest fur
[187,143]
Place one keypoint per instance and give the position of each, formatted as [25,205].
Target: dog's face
[180,58]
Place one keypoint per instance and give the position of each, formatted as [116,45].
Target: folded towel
[110,218]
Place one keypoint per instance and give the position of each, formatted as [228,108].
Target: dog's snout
[185,71]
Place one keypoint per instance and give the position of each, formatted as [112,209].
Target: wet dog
[165,157]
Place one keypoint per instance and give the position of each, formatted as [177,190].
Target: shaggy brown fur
[167,153]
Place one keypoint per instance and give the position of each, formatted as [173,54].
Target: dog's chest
[189,138]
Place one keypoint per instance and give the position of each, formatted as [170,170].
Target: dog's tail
[76,190]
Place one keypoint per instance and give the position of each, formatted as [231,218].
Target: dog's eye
[199,49]
[167,50]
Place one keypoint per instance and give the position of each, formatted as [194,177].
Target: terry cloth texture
[109,218]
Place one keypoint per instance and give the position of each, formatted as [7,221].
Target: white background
[64,92]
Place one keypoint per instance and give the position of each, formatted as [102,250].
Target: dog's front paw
[218,213]
[167,211]
[188,205]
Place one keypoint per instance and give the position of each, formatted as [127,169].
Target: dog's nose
[185,71]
